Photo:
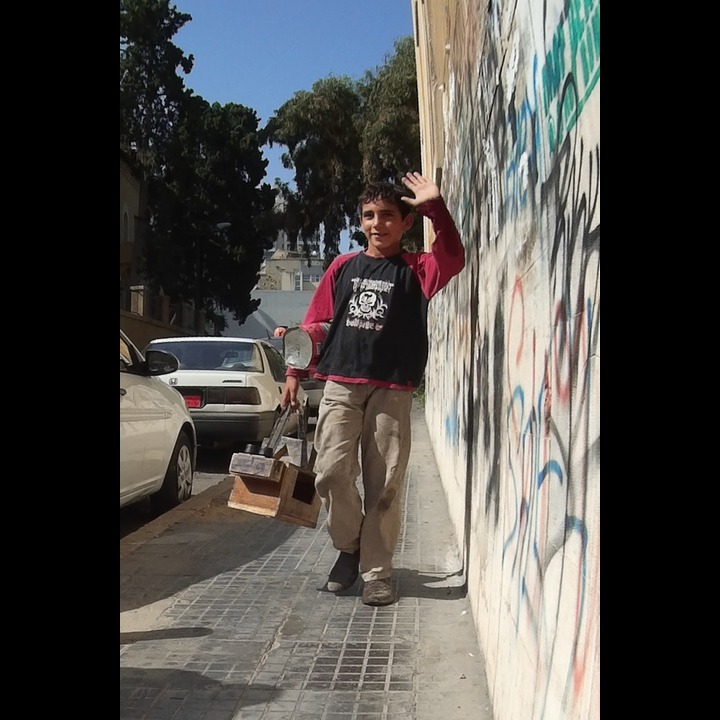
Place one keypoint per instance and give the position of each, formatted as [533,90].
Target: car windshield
[213,355]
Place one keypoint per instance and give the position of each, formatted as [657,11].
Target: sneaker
[344,572]
[378,592]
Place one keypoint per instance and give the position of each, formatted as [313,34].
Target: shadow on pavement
[214,460]
[127,638]
[411,583]
[148,693]
[176,551]
[439,586]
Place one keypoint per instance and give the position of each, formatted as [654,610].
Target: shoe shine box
[280,486]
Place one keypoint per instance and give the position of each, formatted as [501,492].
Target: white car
[313,387]
[232,387]
[158,445]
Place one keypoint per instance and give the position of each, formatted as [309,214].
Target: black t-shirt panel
[379,330]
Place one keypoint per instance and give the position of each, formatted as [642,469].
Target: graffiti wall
[513,378]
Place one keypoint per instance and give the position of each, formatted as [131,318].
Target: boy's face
[383,226]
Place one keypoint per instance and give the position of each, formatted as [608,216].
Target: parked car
[158,444]
[232,387]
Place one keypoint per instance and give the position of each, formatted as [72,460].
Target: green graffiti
[579,32]
[583,25]
[554,70]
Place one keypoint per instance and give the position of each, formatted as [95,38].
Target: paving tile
[222,619]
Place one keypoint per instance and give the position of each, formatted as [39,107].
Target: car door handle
[123,391]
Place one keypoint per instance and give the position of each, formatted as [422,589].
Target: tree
[390,129]
[151,91]
[320,131]
[340,135]
[208,240]
[202,165]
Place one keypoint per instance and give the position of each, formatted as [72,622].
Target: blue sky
[259,53]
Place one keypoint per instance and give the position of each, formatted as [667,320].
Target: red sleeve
[322,304]
[446,258]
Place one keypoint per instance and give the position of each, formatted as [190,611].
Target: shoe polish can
[302,345]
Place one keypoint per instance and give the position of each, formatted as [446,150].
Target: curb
[196,504]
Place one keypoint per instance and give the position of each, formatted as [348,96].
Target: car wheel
[178,483]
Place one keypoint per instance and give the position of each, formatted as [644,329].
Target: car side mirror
[160,362]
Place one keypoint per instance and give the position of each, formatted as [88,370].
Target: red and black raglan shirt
[378,308]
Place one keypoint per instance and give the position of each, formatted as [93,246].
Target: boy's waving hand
[422,187]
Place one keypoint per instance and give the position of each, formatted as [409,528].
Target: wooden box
[276,486]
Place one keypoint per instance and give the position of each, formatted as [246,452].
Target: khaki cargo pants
[377,422]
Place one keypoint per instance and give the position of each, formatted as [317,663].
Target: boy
[372,359]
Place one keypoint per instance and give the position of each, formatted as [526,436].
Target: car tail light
[215,396]
[242,396]
[200,397]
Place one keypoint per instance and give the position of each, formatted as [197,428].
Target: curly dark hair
[386,191]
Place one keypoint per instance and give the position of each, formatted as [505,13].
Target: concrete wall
[510,113]
[141,330]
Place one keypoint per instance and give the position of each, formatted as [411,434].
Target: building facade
[144,314]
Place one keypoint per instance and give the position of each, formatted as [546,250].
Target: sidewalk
[221,618]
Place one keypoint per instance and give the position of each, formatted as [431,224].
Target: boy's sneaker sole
[378,592]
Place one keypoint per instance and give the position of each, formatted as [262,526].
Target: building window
[137,299]
[298,281]
[126,227]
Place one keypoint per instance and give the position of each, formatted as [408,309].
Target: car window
[241,357]
[278,368]
[214,355]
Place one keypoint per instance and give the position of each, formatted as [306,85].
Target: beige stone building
[289,271]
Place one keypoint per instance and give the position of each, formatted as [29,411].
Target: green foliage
[203,163]
[320,131]
[390,131]
[151,92]
[213,174]
[340,135]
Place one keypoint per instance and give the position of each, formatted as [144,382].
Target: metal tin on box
[302,344]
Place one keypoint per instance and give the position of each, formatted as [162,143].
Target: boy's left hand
[422,187]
